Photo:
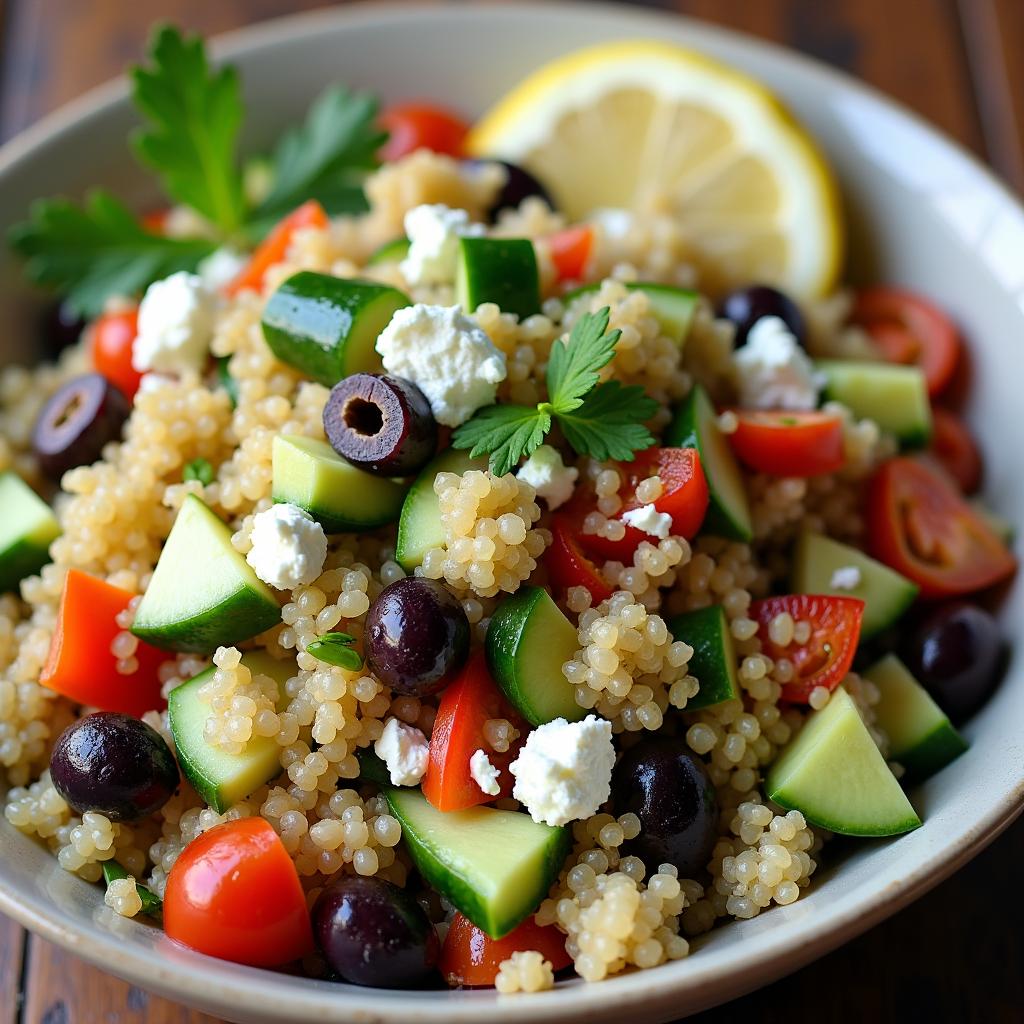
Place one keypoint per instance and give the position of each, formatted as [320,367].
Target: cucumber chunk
[713,663]
[203,594]
[695,425]
[673,308]
[895,397]
[327,327]
[499,270]
[885,593]
[27,529]
[528,642]
[419,525]
[339,496]
[494,866]
[837,778]
[220,778]
[922,738]
[390,252]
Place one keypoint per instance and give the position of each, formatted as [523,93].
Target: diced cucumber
[327,327]
[203,594]
[419,525]
[885,593]
[895,397]
[673,308]
[713,663]
[220,778]
[695,425]
[339,496]
[921,737]
[27,529]
[494,866]
[390,252]
[835,775]
[528,642]
[499,270]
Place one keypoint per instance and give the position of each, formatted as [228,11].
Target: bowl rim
[232,989]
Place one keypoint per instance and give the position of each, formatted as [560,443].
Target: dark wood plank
[12,948]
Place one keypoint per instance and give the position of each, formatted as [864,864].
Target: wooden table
[954,956]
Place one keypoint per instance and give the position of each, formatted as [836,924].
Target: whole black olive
[519,184]
[745,306]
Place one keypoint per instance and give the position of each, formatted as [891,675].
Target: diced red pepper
[568,566]
[780,443]
[570,251]
[411,126]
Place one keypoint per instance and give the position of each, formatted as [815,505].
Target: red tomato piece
[568,566]
[788,443]
[112,338]
[909,329]
[919,525]
[411,126]
[234,893]
[826,658]
[471,958]
[955,448]
[274,247]
[81,665]
[466,706]
[570,250]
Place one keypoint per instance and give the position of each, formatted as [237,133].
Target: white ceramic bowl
[921,212]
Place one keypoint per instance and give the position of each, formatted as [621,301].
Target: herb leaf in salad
[336,649]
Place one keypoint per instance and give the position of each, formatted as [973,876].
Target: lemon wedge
[655,128]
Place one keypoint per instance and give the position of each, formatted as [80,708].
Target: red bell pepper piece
[570,251]
[568,566]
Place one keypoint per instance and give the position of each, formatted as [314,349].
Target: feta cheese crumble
[220,267]
[176,320]
[484,774]
[846,577]
[773,371]
[564,771]
[447,355]
[289,547]
[549,476]
[650,520]
[405,751]
[434,231]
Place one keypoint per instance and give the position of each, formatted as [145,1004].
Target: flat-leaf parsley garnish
[336,649]
[605,420]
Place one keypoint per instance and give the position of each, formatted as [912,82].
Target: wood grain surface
[955,955]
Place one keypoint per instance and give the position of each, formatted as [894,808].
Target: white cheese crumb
[176,320]
[650,520]
[220,267]
[434,232]
[564,770]
[405,750]
[614,222]
[549,476]
[773,371]
[289,547]
[484,774]
[846,577]
[446,353]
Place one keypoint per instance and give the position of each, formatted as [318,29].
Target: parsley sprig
[605,420]
[336,649]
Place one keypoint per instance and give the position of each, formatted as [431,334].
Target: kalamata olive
[380,423]
[373,933]
[745,306]
[956,653]
[668,789]
[519,184]
[115,764]
[59,328]
[417,636]
[75,424]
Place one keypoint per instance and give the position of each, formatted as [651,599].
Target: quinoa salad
[433,556]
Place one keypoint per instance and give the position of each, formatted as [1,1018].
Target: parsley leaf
[198,469]
[573,367]
[96,250]
[326,157]
[194,116]
[151,903]
[336,649]
[609,424]
[506,432]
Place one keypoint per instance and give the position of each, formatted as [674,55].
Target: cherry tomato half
[570,250]
[111,341]
[826,658]
[412,126]
[568,566]
[470,957]
[466,706]
[955,448]
[234,893]
[909,329]
[919,525]
[788,443]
